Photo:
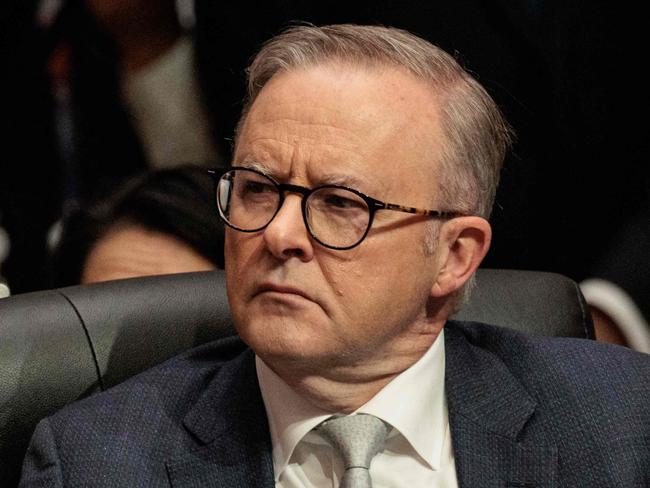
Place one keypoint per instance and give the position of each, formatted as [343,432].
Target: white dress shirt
[418,450]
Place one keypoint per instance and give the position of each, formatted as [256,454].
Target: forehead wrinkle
[332,130]
[315,155]
[293,131]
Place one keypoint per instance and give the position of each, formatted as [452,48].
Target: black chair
[60,345]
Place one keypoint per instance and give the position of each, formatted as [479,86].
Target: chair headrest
[547,304]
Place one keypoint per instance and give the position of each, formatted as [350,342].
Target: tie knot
[358,438]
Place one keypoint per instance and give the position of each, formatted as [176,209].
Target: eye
[338,201]
[257,187]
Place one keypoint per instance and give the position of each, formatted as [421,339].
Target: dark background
[568,75]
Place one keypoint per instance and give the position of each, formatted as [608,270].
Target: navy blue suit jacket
[524,412]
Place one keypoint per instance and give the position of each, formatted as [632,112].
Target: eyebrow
[256,165]
[344,180]
[349,181]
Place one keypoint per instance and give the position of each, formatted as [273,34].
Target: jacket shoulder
[123,435]
[167,387]
[547,359]
[583,403]
[568,376]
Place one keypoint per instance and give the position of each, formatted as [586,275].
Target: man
[365,165]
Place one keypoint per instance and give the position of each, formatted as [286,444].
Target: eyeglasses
[336,217]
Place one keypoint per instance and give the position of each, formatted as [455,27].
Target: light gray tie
[358,438]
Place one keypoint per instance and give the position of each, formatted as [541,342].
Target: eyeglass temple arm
[415,211]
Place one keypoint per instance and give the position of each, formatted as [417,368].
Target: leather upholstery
[59,345]
[540,303]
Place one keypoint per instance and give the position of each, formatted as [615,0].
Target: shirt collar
[290,416]
[413,403]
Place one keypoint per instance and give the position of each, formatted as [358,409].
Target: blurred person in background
[160,222]
[618,287]
[101,91]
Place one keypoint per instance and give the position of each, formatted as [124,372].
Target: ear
[462,245]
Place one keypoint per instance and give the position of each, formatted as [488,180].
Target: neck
[345,387]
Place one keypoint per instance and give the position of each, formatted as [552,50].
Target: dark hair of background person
[177,201]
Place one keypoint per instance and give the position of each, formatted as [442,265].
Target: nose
[286,236]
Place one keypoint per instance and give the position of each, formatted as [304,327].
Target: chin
[284,340]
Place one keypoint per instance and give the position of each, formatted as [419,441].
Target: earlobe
[464,242]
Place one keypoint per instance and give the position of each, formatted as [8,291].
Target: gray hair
[476,132]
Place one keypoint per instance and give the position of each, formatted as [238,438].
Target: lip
[285,289]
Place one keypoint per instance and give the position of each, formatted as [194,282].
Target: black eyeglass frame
[373,204]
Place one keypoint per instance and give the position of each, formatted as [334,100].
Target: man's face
[296,302]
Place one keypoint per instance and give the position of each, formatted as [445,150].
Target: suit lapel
[229,425]
[488,413]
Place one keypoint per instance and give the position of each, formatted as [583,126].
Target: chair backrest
[60,345]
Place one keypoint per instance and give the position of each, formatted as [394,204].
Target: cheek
[240,248]
[230,245]
[344,280]
[377,283]
[236,251]
[359,288]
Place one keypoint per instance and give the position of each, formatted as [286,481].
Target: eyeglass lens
[335,216]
